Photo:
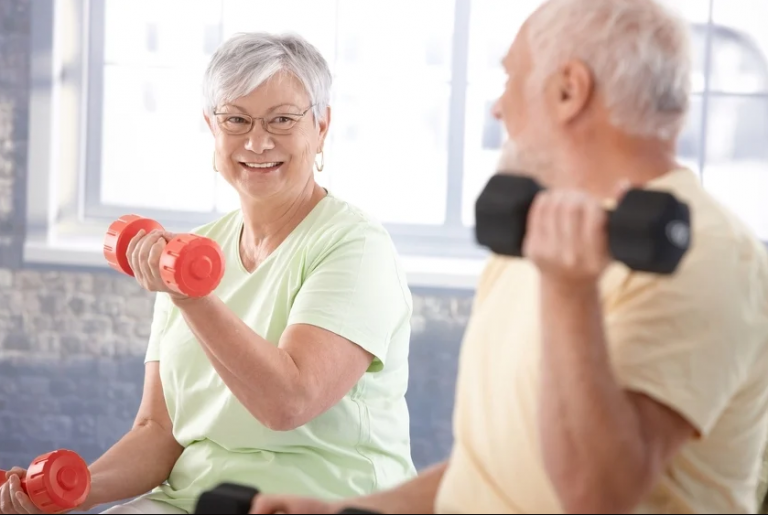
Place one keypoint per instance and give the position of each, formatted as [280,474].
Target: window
[117,124]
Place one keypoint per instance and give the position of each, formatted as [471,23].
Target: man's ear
[574,86]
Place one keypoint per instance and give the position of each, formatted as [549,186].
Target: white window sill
[422,271]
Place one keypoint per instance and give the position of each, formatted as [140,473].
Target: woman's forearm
[263,377]
[137,463]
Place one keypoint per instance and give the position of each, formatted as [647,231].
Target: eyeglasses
[238,124]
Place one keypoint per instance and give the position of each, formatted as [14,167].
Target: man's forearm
[591,437]
[415,496]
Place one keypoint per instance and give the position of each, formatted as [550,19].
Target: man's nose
[496,109]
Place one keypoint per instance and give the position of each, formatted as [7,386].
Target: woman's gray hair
[638,50]
[247,60]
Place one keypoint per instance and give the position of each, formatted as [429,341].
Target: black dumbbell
[237,499]
[647,231]
[226,498]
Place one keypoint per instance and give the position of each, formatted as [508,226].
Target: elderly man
[584,386]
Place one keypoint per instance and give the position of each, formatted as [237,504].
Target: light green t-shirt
[337,270]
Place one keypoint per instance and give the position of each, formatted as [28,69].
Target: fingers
[276,504]
[566,234]
[536,226]
[6,506]
[153,261]
[130,252]
[17,471]
[23,503]
[144,253]
[148,268]
[6,503]
[594,233]
[16,493]
[269,504]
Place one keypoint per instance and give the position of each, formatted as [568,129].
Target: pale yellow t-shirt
[696,341]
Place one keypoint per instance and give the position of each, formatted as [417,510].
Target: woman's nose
[259,140]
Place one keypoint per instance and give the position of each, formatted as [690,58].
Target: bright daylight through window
[412,139]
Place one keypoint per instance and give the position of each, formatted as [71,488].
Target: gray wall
[72,341]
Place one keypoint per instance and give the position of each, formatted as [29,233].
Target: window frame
[452,238]
[67,79]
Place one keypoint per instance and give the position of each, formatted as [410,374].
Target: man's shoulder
[722,280]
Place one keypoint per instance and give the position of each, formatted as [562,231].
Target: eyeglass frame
[263,121]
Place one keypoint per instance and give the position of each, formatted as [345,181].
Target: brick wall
[72,342]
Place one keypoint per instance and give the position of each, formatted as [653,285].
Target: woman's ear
[323,125]
[209,122]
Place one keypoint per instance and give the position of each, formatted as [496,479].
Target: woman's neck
[266,224]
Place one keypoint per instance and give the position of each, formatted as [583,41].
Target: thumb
[15,471]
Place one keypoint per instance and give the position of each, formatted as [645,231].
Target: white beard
[509,159]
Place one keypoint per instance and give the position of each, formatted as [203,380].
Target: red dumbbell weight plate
[120,234]
[58,481]
[192,265]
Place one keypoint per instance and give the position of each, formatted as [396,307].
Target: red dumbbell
[56,482]
[190,264]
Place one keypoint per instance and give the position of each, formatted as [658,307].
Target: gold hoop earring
[322,162]
[214,162]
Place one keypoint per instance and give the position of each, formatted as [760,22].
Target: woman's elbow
[285,416]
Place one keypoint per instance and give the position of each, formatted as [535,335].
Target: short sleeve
[159,322]
[687,340]
[357,290]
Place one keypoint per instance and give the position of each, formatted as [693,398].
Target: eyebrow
[270,110]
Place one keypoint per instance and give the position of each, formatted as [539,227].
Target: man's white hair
[247,60]
[637,50]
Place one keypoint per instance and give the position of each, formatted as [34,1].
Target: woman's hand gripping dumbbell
[647,231]
[56,482]
[189,264]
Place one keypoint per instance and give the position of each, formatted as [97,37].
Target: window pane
[314,20]
[403,38]
[740,46]
[696,13]
[493,27]
[483,137]
[388,149]
[736,169]
[690,140]
[149,32]
[156,152]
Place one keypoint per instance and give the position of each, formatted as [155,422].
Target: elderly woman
[291,376]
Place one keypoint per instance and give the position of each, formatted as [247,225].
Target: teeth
[260,165]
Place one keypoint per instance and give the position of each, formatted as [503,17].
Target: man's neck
[602,171]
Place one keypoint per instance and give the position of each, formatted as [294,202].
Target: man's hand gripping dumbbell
[647,230]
